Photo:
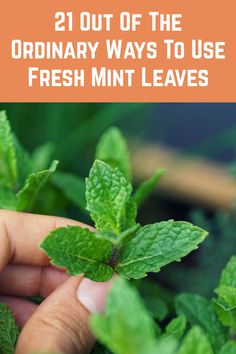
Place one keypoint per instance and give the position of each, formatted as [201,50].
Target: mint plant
[20,182]
[140,317]
[201,326]
[119,244]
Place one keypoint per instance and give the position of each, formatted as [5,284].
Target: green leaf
[125,327]
[8,331]
[154,300]
[225,304]
[156,307]
[73,188]
[42,155]
[227,286]
[196,342]
[7,199]
[112,149]
[109,199]
[8,162]
[199,311]
[146,188]
[24,163]
[228,348]
[177,326]
[151,290]
[226,317]
[156,245]
[166,345]
[227,297]
[34,182]
[80,251]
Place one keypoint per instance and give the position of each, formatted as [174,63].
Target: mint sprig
[131,251]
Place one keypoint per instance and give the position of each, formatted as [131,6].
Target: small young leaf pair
[119,244]
[19,182]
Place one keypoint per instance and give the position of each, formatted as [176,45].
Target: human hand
[60,323]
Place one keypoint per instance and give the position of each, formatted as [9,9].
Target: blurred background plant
[70,132]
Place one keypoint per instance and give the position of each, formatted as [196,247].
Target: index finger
[20,234]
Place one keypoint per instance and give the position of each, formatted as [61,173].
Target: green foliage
[109,199]
[200,311]
[73,188]
[156,245]
[228,348]
[126,327]
[8,331]
[42,155]
[196,342]
[80,251]
[19,182]
[34,182]
[8,161]
[177,326]
[113,150]
[134,251]
[146,324]
[210,258]
[146,188]
[227,287]
[225,304]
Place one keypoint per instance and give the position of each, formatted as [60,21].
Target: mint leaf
[151,290]
[227,297]
[226,317]
[8,161]
[225,304]
[73,188]
[24,163]
[156,307]
[196,342]
[125,327]
[109,198]
[112,149]
[199,311]
[156,245]
[80,251]
[146,188]
[166,345]
[228,348]
[42,155]
[227,286]
[34,182]
[177,326]
[8,330]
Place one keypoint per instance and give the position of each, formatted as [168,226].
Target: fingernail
[92,295]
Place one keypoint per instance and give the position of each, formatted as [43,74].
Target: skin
[60,323]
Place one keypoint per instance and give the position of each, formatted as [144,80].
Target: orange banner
[117,51]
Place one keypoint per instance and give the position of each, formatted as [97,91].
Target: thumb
[61,322]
